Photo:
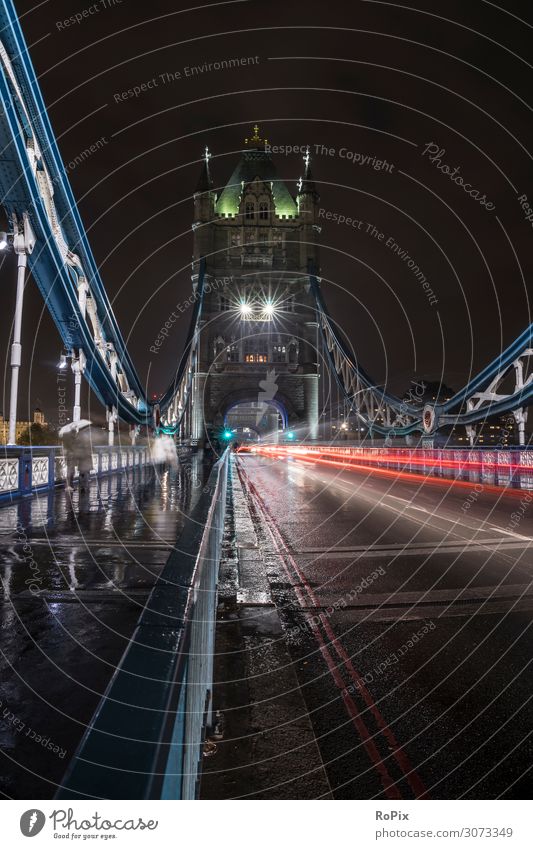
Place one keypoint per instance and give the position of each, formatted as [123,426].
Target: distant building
[38,418]
[497,430]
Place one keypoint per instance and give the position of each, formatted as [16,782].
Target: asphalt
[76,573]
[403,620]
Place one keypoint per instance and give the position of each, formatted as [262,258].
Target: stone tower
[258,329]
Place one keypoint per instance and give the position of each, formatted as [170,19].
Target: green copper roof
[252,164]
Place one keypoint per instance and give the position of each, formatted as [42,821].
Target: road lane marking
[410,549]
[401,757]
[423,598]
[401,546]
[511,533]
[424,524]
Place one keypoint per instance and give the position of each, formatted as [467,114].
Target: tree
[37,434]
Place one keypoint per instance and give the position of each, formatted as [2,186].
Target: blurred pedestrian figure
[164,451]
[77,449]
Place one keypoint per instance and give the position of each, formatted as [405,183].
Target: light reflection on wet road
[406,611]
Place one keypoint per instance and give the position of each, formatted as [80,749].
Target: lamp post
[23,245]
[112,417]
[78,361]
[78,367]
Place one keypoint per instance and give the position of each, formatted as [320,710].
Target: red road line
[398,753]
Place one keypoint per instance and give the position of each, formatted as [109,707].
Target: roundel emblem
[32,822]
[428,419]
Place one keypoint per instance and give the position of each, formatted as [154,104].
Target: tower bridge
[254,231]
[316,551]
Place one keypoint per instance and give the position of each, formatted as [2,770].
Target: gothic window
[279,353]
[224,303]
[219,346]
[250,238]
[256,358]
[235,240]
[255,350]
[249,211]
[293,351]
[263,242]
[233,353]
[263,211]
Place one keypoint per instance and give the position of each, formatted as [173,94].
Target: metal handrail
[146,737]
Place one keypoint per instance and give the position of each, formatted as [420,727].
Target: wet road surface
[405,614]
[75,576]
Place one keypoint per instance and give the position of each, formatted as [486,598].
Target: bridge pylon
[258,335]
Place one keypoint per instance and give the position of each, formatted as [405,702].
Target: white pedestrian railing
[25,470]
[509,467]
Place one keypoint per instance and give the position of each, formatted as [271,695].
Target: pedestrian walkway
[269,750]
[76,572]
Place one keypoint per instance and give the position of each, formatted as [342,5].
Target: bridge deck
[384,624]
[75,577]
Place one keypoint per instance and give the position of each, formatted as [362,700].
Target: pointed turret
[307,186]
[308,199]
[205,183]
[204,208]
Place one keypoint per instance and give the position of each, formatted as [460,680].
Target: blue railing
[25,469]
[146,738]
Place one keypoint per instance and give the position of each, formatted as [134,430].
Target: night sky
[369,79]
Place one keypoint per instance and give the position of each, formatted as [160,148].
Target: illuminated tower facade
[258,336]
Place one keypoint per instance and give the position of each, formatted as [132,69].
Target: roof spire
[306,186]
[256,140]
[205,182]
